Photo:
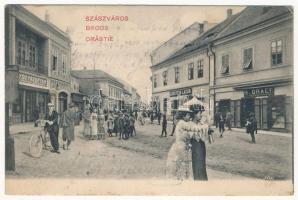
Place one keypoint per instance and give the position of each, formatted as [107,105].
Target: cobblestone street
[144,156]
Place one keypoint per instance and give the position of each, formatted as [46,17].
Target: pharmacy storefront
[35,92]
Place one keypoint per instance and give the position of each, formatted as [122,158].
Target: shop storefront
[272,110]
[32,100]
[35,92]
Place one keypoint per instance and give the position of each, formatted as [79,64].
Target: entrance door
[30,104]
[62,102]
[247,106]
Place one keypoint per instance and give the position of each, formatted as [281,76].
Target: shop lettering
[180,92]
[59,85]
[24,78]
[255,92]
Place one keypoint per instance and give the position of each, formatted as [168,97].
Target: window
[54,59]
[63,64]
[247,59]
[155,81]
[225,66]
[165,78]
[32,56]
[200,68]
[177,75]
[190,71]
[276,52]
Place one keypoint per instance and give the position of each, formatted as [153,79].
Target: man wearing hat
[67,123]
[52,127]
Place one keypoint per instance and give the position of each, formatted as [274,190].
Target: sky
[128,56]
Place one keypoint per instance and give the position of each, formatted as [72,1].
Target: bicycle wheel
[35,146]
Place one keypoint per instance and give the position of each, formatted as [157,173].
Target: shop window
[225,64]
[177,75]
[276,52]
[277,105]
[190,71]
[165,78]
[200,68]
[248,59]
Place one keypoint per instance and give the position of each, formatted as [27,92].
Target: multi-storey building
[247,68]
[185,72]
[95,82]
[41,51]
[254,67]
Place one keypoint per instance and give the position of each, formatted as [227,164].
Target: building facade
[97,82]
[247,68]
[185,73]
[41,51]
[254,68]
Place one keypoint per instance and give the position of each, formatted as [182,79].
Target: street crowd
[98,123]
[192,128]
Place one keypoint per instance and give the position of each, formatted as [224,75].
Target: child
[110,125]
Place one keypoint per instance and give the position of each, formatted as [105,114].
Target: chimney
[229,13]
[47,16]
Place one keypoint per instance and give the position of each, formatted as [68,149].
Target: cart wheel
[35,146]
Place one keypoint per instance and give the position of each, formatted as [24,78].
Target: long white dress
[94,124]
[179,161]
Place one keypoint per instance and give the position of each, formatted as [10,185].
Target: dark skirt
[68,133]
[199,160]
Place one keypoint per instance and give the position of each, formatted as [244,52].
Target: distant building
[41,51]
[117,94]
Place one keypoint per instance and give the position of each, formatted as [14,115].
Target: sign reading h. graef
[256,92]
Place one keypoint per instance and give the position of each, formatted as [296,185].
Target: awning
[194,101]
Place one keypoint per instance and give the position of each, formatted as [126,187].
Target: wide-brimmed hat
[51,105]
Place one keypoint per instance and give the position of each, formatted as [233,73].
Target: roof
[253,15]
[250,16]
[204,39]
[95,74]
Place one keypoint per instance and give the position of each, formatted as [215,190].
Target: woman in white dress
[94,129]
[179,161]
[179,156]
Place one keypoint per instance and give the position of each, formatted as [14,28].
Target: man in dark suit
[52,127]
[164,125]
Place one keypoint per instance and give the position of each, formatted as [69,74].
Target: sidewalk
[22,128]
[263,132]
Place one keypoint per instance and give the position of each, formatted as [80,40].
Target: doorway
[62,102]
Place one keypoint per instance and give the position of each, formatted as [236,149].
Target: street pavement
[144,157]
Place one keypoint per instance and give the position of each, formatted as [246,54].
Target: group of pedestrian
[66,122]
[96,124]
[222,121]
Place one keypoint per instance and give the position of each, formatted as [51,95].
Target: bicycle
[40,141]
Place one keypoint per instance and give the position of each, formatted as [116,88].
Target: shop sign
[257,92]
[59,85]
[185,91]
[26,79]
